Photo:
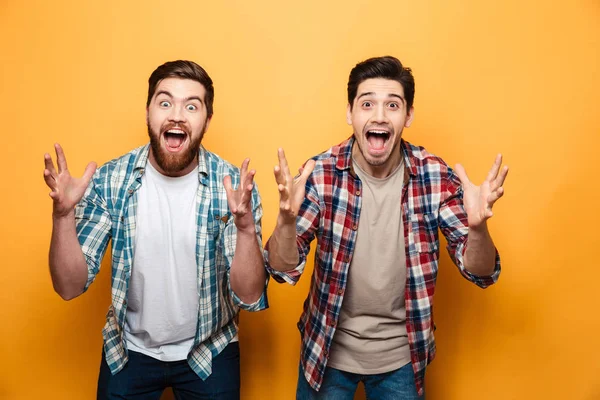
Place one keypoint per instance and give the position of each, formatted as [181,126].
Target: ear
[409,117]
[208,122]
[147,117]
[349,114]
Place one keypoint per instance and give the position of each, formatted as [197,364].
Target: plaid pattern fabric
[431,200]
[108,211]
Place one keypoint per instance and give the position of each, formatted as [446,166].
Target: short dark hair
[387,67]
[185,70]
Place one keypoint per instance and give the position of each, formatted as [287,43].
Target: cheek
[154,120]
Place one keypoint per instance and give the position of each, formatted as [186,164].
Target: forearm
[247,275]
[68,268]
[480,256]
[283,250]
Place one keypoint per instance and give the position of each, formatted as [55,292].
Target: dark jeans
[341,385]
[145,378]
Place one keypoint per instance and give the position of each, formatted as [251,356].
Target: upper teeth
[379,132]
[176,131]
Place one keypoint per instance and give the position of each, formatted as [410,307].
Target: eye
[191,107]
[164,103]
[394,105]
[367,104]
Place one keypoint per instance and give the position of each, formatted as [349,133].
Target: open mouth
[377,139]
[175,138]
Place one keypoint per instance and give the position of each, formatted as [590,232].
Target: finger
[306,171]
[227,185]
[61,160]
[284,194]
[50,180]
[502,176]
[246,192]
[494,196]
[244,170]
[50,165]
[279,178]
[249,178]
[230,194]
[283,163]
[495,168]
[462,174]
[89,172]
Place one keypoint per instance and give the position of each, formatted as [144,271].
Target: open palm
[66,190]
[240,199]
[291,191]
[479,200]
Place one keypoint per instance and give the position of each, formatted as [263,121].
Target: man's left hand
[479,200]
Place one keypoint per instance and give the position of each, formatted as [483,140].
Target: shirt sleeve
[231,240]
[94,229]
[453,223]
[307,223]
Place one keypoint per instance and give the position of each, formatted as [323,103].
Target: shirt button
[340,291]
[354,227]
[358,192]
[130,191]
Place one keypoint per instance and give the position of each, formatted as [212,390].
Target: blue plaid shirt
[108,211]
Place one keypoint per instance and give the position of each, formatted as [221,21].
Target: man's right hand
[291,191]
[66,190]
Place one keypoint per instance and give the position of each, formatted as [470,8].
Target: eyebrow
[389,95]
[166,93]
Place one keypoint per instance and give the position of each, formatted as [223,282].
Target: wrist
[286,221]
[479,229]
[60,216]
[246,231]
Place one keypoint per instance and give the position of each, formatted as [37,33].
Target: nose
[379,114]
[177,114]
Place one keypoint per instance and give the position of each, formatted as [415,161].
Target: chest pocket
[423,235]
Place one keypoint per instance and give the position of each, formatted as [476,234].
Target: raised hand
[240,200]
[479,200]
[291,191]
[66,190]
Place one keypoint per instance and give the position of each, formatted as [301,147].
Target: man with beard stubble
[186,248]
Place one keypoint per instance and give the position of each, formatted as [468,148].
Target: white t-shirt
[162,306]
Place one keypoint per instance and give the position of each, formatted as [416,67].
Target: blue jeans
[145,378]
[340,385]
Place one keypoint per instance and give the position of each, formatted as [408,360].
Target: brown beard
[170,163]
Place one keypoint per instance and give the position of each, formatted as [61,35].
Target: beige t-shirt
[371,332]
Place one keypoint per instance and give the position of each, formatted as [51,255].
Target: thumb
[229,193]
[307,170]
[89,172]
[462,174]
[227,184]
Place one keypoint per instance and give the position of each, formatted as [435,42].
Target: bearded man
[186,248]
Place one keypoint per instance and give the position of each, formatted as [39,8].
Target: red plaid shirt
[431,199]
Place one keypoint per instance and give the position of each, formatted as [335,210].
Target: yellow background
[517,77]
